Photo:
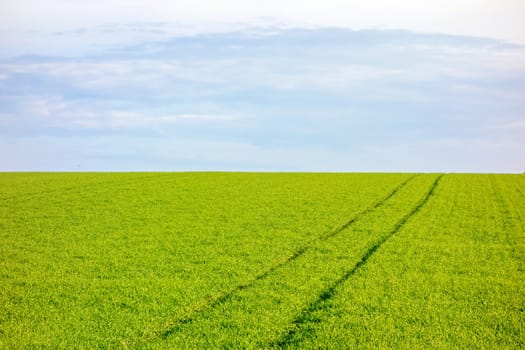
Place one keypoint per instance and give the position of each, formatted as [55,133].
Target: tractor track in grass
[519,190]
[294,336]
[220,299]
[506,215]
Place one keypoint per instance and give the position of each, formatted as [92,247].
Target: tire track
[506,217]
[294,335]
[519,190]
[222,298]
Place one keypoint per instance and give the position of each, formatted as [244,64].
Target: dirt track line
[218,300]
[293,336]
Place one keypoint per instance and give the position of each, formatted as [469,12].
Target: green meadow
[261,261]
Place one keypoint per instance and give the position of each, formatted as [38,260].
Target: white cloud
[276,70]
[45,107]
[5,117]
[329,107]
[137,120]
[35,111]
[499,19]
[515,125]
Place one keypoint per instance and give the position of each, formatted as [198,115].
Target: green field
[250,260]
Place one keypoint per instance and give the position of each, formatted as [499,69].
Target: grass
[451,277]
[245,260]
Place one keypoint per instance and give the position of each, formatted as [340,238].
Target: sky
[408,86]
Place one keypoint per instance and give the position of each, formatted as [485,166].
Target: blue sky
[263,94]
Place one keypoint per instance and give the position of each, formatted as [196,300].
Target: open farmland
[248,260]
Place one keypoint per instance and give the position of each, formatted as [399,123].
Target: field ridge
[294,335]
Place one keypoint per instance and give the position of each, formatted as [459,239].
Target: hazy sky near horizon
[335,85]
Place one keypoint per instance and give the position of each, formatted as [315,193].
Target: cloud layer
[267,98]
[484,18]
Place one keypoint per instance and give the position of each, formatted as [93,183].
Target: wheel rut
[224,297]
[294,336]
